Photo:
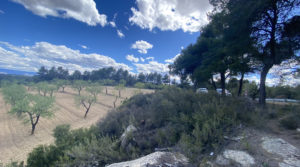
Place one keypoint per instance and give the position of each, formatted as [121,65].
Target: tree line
[110,75]
[242,37]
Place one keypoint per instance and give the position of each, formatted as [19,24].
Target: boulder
[126,135]
[235,156]
[277,146]
[155,159]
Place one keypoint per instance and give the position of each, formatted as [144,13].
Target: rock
[285,150]
[240,157]
[290,162]
[298,130]
[237,138]
[222,161]
[125,136]
[280,147]
[155,159]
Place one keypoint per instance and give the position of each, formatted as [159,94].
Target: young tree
[88,99]
[61,83]
[44,88]
[13,93]
[140,86]
[120,87]
[34,106]
[79,85]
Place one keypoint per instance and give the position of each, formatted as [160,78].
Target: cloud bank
[187,15]
[81,10]
[31,58]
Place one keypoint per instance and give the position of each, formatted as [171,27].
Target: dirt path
[15,139]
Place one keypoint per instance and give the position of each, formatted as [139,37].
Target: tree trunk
[119,93]
[86,112]
[213,83]
[262,85]
[106,90]
[115,102]
[223,78]
[33,124]
[32,129]
[241,84]
[63,89]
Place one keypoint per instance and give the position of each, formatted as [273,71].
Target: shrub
[291,122]
[174,118]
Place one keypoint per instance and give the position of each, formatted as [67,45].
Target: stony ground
[252,147]
[15,139]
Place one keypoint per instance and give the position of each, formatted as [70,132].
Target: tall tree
[265,21]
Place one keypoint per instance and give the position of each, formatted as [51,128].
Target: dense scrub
[172,118]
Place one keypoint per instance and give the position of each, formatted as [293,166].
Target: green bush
[291,122]
[171,118]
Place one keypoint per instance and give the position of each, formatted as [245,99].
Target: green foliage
[32,107]
[139,85]
[88,98]
[94,89]
[79,85]
[173,118]
[291,122]
[100,152]
[44,88]
[120,87]
[43,156]
[252,90]
[13,93]
[61,83]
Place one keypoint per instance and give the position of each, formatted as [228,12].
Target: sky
[136,35]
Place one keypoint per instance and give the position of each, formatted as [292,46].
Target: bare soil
[15,139]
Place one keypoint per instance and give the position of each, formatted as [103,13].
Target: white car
[202,90]
[219,91]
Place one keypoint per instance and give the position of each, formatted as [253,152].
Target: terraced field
[15,139]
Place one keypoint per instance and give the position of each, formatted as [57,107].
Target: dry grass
[15,139]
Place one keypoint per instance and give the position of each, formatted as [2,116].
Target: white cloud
[2,12]
[81,10]
[150,58]
[188,15]
[142,46]
[31,58]
[172,59]
[152,66]
[120,34]
[83,46]
[113,24]
[132,58]
[142,59]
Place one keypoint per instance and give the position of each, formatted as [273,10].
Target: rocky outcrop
[237,157]
[127,135]
[289,154]
[155,159]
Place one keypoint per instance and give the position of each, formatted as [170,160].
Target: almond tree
[79,85]
[88,98]
[32,108]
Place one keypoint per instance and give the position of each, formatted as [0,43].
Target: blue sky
[41,32]
[136,35]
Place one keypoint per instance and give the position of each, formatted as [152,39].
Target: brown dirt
[15,139]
